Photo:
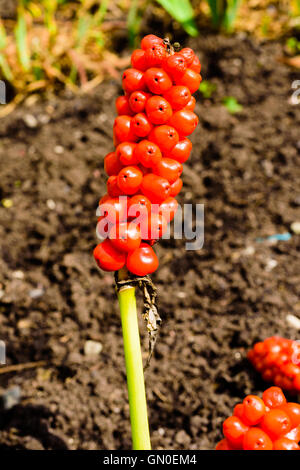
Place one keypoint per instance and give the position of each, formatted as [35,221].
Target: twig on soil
[18,367]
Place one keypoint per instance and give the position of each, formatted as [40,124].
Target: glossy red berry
[112,164]
[169,169]
[139,206]
[150,40]
[175,65]
[253,410]
[107,257]
[114,209]
[181,151]
[276,423]
[130,179]
[123,107]
[178,96]
[190,79]
[188,55]
[176,187]
[166,137]
[157,226]
[168,208]
[293,411]
[141,125]
[138,60]
[148,153]
[158,110]
[273,397]
[137,101]
[157,80]
[191,104]
[256,439]
[155,55]
[142,261]
[132,80]
[234,430]
[125,236]
[112,187]
[195,65]
[285,444]
[122,130]
[184,121]
[125,153]
[155,188]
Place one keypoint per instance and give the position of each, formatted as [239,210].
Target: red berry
[285,444]
[256,439]
[181,151]
[223,445]
[276,423]
[195,65]
[188,55]
[156,227]
[112,164]
[122,106]
[239,411]
[137,101]
[178,96]
[122,130]
[253,410]
[155,188]
[184,121]
[138,60]
[273,397]
[130,179]
[107,257]
[133,80]
[176,187]
[142,261]
[141,125]
[293,411]
[190,79]
[155,55]
[112,186]
[125,236]
[148,153]
[191,104]
[169,169]
[175,65]
[150,40]
[158,110]
[234,430]
[157,80]
[168,208]
[166,137]
[125,154]
[139,206]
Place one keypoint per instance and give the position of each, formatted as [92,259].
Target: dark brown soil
[215,303]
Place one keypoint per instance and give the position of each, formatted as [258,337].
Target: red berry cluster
[155,116]
[278,360]
[270,423]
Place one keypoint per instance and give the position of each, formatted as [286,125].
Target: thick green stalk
[134,370]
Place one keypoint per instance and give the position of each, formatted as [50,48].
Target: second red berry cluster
[278,360]
[155,116]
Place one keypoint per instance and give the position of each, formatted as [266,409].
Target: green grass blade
[231,13]
[133,22]
[5,68]
[21,40]
[182,11]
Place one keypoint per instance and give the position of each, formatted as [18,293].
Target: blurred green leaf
[224,12]
[7,73]
[182,11]
[232,104]
[21,40]
[134,19]
[207,88]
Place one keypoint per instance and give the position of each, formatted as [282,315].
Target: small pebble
[11,398]
[92,348]
[270,264]
[51,204]
[30,121]
[293,321]
[1,293]
[18,274]
[249,251]
[59,149]
[7,203]
[36,293]
[295,227]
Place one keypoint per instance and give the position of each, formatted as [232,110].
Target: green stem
[134,370]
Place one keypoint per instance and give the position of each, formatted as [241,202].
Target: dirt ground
[215,303]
